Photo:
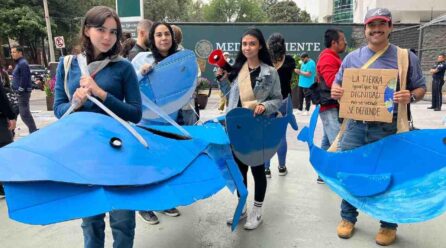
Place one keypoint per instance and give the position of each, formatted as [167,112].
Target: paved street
[297,211]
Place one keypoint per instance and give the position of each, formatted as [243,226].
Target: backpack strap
[66,66]
[403,67]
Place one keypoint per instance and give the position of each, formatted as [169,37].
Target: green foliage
[287,11]
[234,11]
[196,13]
[250,11]
[295,76]
[167,10]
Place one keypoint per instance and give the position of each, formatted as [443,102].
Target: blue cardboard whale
[400,178]
[255,139]
[90,164]
[170,85]
[55,182]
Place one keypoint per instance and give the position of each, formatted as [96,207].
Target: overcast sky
[311,6]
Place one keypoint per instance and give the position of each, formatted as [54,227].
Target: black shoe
[437,109]
[319,180]
[173,212]
[149,217]
[268,173]
[430,107]
[282,171]
[2,192]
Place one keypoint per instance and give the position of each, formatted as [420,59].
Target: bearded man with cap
[378,26]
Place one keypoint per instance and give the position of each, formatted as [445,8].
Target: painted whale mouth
[166,134]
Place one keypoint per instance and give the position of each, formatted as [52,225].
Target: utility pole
[48,30]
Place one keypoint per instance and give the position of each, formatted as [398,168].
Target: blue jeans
[283,147]
[122,223]
[330,122]
[358,133]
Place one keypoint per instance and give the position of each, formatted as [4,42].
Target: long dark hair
[276,46]
[241,59]
[156,54]
[96,17]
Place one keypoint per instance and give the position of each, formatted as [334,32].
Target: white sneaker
[306,113]
[242,216]
[254,218]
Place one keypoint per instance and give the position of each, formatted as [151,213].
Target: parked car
[38,75]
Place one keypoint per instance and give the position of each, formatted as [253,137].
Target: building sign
[299,38]
[368,94]
[59,42]
[130,12]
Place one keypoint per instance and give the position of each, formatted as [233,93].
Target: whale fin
[304,135]
[290,115]
[363,184]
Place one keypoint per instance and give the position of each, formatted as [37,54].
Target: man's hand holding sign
[368,94]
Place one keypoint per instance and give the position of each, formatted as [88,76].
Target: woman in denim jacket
[255,85]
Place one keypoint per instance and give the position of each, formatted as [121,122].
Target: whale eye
[116,142]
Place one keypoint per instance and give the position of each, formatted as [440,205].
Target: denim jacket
[266,91]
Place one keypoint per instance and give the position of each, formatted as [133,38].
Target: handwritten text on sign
[368,94]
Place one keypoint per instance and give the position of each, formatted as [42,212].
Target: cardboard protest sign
[368,94]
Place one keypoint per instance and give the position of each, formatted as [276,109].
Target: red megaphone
[216,58]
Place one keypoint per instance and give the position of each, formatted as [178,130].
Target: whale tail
[289,112]
[307,133]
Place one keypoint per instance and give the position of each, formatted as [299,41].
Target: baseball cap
[377,14]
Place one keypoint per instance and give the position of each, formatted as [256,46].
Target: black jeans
[258,172]
[303,93]
[437,96]
[24,111]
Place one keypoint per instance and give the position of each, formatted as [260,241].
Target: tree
[195,12]
[234,11]
[250,11]
[23,21]
[266,5]
[167,10]
[287,11]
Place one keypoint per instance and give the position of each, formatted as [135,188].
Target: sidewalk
[297,212]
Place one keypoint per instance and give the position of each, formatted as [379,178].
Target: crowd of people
[260,80]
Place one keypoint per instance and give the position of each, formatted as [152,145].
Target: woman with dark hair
[113,81]
[255,85]
[284,65]
[162,44]
[127,45]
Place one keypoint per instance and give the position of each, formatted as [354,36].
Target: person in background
[307,74]
[437,82]
[127,45]
[327,66]
[7,123]
[223,85]
[142,41]
[284,65]
[21,83]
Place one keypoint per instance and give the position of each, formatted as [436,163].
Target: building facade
[403,11]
